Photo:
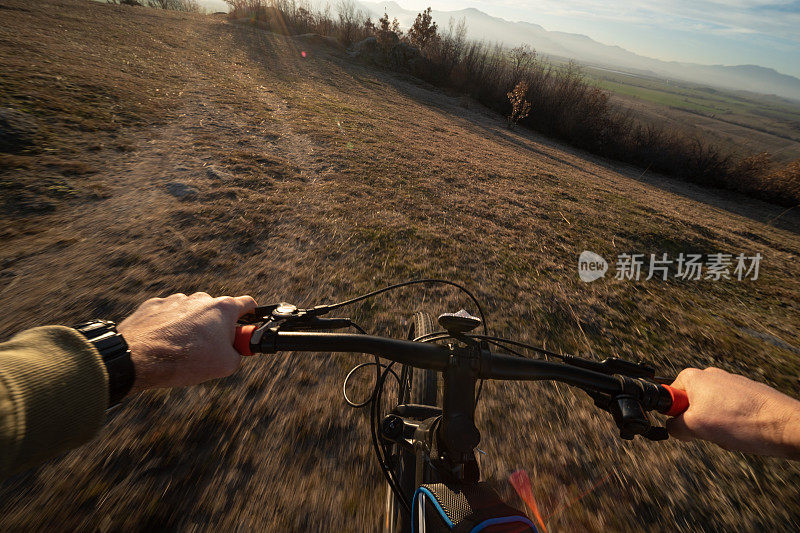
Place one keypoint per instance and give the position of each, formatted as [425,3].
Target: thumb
[685,377]
[230,361]
[676,426]
[678,429]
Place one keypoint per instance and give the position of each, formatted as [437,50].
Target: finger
[232,360]
[684,378]
[247,304]
[233,308]
[200,295]
[677,428]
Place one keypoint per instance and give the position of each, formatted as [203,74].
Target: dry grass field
[739,122]
[179,152]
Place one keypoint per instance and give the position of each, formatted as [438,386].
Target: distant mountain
[482,26]
[213,6]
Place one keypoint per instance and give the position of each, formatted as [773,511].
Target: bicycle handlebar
[667,400]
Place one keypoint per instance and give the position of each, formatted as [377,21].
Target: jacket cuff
[56,394]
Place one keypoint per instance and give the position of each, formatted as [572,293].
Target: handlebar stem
[457,433]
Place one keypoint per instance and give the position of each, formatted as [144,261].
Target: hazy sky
[728,32]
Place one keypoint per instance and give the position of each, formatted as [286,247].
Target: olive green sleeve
[53,395]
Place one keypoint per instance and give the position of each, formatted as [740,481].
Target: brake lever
[629,417]
[259,314]
[269,319]
[282,311]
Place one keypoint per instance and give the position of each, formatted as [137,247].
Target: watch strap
[115,354]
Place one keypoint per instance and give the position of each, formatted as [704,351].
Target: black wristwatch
[116,356]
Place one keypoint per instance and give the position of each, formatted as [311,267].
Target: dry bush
[749,169]
[305,20]
[255,10]
[424,32]
[450,45]
[190,6]
[523,59]
[783,184]
[388,33]
[520,107]
[352,22]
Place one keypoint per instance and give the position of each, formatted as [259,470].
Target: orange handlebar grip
[241,342]
[680,401]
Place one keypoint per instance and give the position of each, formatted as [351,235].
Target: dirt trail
[162,171]
[244,166]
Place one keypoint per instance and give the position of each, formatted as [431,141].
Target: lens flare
[522,484]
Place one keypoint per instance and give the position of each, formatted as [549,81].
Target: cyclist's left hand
[184,340]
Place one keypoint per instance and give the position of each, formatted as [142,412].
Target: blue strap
[503,520]
[422,491]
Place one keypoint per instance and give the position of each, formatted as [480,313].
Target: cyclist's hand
[737,413]
[184,340]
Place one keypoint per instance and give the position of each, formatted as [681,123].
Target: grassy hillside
[178,152]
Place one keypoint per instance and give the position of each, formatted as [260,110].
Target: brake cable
[323,309]
[371,397]
[497,340]
[327,308]
[379,451]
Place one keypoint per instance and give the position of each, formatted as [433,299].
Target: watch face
[95,327]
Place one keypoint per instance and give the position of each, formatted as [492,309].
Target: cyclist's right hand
[737,413]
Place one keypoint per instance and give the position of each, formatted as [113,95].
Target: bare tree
[523,59]
[351,20]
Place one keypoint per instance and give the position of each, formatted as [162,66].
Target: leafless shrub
[749,169]
[191,6]
[304,20]
[451,43]
[523,59]
[255,10]
[351,23]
